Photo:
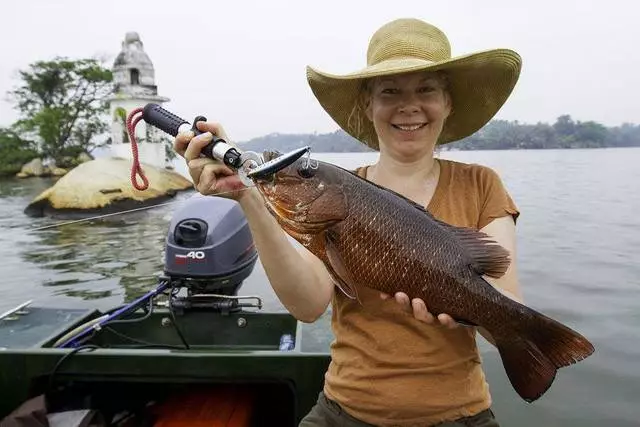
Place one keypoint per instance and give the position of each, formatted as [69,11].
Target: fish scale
[369,236]
[389,240]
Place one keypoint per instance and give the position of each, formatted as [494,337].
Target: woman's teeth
[409,127]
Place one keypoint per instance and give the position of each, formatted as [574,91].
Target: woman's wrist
[251,199]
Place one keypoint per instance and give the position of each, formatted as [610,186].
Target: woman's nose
[409,103]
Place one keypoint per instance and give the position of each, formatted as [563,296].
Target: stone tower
[135,86]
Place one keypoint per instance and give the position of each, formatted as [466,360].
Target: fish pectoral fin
[340,275]
[487,256]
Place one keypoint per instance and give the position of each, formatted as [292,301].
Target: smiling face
[408,112]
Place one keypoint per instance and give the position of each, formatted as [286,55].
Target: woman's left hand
[420,311]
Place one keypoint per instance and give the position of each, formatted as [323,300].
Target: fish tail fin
[532,359]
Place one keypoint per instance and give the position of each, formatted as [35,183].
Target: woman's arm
[299,278]
[503,231]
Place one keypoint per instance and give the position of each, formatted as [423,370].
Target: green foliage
[564,133]
[61,102]
[169,152]
[14,152]
[121,115]
[496,135]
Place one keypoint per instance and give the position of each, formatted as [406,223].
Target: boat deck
[145,359]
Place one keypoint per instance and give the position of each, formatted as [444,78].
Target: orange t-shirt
[388,368]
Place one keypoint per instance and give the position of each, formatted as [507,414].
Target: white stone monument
[134,79]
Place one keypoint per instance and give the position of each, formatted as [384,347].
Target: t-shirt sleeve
[495,199]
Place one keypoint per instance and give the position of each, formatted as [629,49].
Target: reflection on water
[113,259]
[578,239]
[94,259]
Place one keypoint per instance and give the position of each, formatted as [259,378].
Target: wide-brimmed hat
[479,83]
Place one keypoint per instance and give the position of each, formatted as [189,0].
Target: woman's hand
[210,177]
[421,312]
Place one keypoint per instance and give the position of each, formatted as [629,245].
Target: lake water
[578,255]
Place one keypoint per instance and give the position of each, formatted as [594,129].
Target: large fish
[370,236]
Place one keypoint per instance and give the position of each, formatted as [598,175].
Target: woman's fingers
[189,146]
[181,142]
[402,299]
[420,311]
[196,145]
[207,174]
[215,129]
[208,180]
[447,321]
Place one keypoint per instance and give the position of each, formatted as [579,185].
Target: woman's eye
[426,89]
[389,90]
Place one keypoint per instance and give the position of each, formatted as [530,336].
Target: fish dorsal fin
[487,256]
[337,270]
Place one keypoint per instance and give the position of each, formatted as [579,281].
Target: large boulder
[37,168]
[34,168]
[104,186]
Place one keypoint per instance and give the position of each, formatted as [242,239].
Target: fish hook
[308,167]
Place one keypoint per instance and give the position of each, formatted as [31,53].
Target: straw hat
[479,83]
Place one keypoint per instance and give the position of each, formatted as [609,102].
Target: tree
[14,152]
[61,103]
[591,134]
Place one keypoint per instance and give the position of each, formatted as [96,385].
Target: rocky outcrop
[33,168]
[104,186]
[37,168]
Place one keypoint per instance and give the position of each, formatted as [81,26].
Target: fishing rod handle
[162,119]
[168,122]
[218,148]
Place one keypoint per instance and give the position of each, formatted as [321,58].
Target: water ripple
[578,240]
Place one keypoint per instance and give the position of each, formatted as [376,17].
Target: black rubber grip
[170,123]
[162,119]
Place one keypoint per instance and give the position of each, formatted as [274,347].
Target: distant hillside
[496,135]
[336,142]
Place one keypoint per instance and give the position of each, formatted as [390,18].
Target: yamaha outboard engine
[209,251]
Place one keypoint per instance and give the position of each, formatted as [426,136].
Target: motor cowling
[209,244]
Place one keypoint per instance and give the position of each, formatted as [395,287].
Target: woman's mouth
[409,127]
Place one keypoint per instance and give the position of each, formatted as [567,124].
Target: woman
[393,363]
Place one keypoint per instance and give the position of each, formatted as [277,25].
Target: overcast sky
[243,63]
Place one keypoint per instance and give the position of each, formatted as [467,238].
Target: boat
[192,351]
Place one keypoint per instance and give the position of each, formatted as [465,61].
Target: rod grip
[168,122]
[162,119]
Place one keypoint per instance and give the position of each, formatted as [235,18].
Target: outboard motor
[209,251]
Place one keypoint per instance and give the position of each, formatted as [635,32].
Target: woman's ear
[367,107]
[448,102]
[366,97]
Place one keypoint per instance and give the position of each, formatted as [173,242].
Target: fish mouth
[409,127]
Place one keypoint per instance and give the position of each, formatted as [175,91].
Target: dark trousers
[327,413]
